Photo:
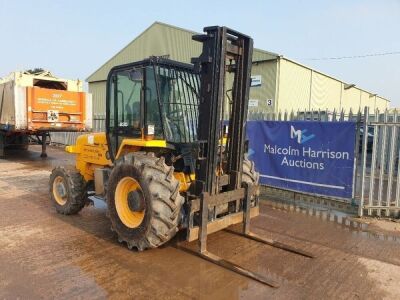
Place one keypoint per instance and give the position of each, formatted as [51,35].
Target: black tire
[251,176]
[19,143]
[74,194]
[160,193]
[24,147]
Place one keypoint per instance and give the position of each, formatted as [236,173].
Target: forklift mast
[224,50]
[219,165]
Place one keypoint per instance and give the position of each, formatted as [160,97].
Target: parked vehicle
[36,104]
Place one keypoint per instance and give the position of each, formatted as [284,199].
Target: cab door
[125,107]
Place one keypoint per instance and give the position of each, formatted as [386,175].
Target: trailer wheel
[19,143]
[143,201]
[23,147]
[67,190]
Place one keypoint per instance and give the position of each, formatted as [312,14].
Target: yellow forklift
[169,160]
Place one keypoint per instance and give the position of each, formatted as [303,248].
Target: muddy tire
[67,190]
[251,176]
[143,201]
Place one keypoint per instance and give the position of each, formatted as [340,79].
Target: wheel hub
[130,202]
[60,190]
[136,201]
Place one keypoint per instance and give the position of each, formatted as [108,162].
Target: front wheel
[143,201]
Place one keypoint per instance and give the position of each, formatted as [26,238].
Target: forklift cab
[152,99]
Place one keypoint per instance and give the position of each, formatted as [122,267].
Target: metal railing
[305,115]
[99,123]
[376,176]
[380,165]
[69,138]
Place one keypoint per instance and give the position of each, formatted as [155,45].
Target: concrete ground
[46,255]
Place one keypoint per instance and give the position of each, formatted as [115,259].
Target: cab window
[125,106]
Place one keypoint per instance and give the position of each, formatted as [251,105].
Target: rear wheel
[251,176]
[143,201]
[67,190]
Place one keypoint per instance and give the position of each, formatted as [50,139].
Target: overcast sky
[73,38]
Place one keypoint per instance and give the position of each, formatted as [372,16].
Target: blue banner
[312,157]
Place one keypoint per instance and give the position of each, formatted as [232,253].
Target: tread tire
[76,190]
[162,200]
[250,175]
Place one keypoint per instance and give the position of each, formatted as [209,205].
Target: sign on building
[312,157]
[253,102]
[256,80]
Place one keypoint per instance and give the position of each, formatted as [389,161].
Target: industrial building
[279,83]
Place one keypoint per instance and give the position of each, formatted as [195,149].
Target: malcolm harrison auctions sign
[311,157]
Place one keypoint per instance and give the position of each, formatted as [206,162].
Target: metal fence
[306,115]
[380,177]
[99,122]
[376,178]
[69,138]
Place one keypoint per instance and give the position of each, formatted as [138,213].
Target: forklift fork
[206,202]
[255,237]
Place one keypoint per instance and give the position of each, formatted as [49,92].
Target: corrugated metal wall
[98,91]
[303,88]
[262,55]
[325,92]
[159,39]
[366,100]
[288,84]
[265,93]
[294,86]
[381,103]
[351,100]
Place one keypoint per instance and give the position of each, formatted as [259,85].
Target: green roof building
[282,84]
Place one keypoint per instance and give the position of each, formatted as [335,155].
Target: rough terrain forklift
[169,160]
